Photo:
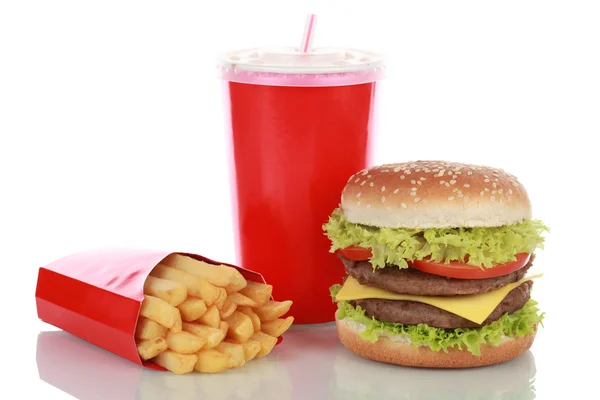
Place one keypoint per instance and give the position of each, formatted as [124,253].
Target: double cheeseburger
[437,256]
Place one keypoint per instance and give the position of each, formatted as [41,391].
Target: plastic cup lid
[286,66]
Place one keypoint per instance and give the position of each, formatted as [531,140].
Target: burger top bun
[434,194]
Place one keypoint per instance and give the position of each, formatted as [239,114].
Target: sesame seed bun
[434,194]
[397,352]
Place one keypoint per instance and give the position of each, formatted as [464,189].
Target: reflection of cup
[88,372]
[300,126]
[359,378]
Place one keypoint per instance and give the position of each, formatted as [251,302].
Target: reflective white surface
[310,363]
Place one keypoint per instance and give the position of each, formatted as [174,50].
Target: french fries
[277,327]
[149,329]
[177,363]
[236,351]
[211,317]
[162,312]
[253,317]
[191,309]
[206,318]
[184,342]
[212,361]
[259,292]
[240,327]
[172,292]
[150,348]
[272,310]
[227,309]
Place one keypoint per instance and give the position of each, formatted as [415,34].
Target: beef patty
[414,313]
[412,281]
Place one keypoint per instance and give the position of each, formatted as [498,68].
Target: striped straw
[309,32]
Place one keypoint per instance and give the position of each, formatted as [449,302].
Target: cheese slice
[474,307]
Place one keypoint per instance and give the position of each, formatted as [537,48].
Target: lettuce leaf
[483,247]
[516,324]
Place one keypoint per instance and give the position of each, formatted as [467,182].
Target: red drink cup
[300,126]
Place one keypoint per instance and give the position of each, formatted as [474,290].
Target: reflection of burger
[436,255]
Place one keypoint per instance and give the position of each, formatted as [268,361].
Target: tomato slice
[465,271]
[356,253]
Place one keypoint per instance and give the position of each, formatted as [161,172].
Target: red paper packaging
[97,295]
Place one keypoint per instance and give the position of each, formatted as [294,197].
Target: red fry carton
[97,295]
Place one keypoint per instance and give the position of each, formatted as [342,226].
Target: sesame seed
[500,190]
[417,199]
[435,170]
[363,183]
[423,178]
[385,170]
[450,198]
[449,172]
[454,176]
[366,171]
[481,193]
[452,182]
[407,172]
[494,184]
[358,195]
[383,199]
[414,189]
[371,184]
[486,180]
[458,173]
[469,173]
[442,182]
[496,180]
[419,183]
[357,179]
[403,205]
[454,190]
[383,188]
[402,177]
[447,184]
[413,193]
[413,181]
[486,189]
[418,170]
[515,184]
[397,169]
[442,172]
[369,176]
[485,176]
[467,185]
[509,191]
[494,192]
[396,191]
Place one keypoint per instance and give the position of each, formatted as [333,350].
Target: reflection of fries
[207,318]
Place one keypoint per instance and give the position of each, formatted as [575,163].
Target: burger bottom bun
[392,352]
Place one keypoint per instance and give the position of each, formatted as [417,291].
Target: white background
[112,133]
